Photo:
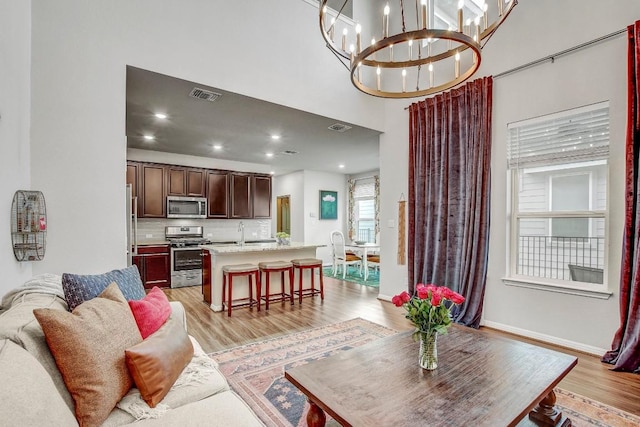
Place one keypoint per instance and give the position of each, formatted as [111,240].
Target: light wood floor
[344,301]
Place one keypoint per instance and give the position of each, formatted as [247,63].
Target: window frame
[514,215]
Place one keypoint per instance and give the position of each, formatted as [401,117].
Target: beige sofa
[33,393]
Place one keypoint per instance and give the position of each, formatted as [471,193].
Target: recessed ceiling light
[275,137]
[341,166]
[272,172]
[217,147]
[161,116]
[269,154]
[149,137]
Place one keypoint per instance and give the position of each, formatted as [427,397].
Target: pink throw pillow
[151,311]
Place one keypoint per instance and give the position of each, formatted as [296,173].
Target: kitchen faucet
[241,230]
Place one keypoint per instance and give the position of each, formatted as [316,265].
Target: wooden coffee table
[481,380]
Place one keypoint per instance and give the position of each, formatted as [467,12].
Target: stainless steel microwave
[186,207]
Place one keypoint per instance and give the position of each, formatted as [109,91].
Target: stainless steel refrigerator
[132,225]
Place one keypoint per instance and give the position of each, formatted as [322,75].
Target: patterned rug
[353,275]
[256,372]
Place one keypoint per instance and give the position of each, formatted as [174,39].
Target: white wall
[598,73]
[15,62]
[80,53]
[316,230]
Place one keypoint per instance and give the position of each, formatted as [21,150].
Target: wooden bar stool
[308,264]
[239,270]
[276,267]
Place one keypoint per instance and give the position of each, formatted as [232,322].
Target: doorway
[283,216]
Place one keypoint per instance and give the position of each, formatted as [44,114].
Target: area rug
[256,372]
[353,275]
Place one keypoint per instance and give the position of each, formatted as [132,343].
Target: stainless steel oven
[186,266]
[186,256]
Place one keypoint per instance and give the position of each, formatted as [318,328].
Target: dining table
[364,249]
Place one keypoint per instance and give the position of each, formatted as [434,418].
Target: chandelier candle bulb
[477,22]
[332,29]
[500,7]
[467,29]
[373,43]
[391,52]
[425,20]
[385,22]
[344,39]
[449,43]
[358,41]
[429,40]
[457,65]
[460,17]
[431,76]
[378,71]
[485,8]
[410,43]
[404,80]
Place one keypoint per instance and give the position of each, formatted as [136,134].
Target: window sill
[584,290]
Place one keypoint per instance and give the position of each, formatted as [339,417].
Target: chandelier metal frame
[367,57]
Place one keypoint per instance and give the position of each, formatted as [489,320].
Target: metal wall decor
[28,225]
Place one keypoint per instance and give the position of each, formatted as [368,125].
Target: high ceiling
[243,126]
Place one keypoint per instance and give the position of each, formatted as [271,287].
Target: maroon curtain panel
[625,349]
[449,185]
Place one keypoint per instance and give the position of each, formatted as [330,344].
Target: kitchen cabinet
[152,194]
[132,177]
[154,263]
[241,198]
[218,194]
[261,196]
[185,182]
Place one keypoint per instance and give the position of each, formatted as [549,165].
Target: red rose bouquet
[429,309]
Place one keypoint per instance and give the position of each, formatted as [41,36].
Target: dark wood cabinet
[261,196]
[152,192]
[229,194]
[241,206]
[185,182]
[154,264]
[206,276]
[218,194]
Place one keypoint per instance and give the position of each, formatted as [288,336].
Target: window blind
[364,188]
[581,134]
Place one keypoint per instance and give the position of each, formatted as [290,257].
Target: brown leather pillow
[88,346]
[156,363]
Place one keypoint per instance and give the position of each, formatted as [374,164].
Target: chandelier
[437,44]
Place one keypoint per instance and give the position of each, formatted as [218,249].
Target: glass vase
[428,357]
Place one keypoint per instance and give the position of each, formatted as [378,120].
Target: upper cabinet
[241,195]
[218,194]
[185,181]
[152,194]
[229,194]
[261,196]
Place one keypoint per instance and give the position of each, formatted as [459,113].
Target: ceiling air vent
[205,95]
[289,152]
[339,127]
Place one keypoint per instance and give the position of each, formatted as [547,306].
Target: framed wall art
[328,204]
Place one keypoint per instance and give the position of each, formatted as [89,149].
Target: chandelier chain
[404,27]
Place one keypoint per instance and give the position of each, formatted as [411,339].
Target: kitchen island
[217,256]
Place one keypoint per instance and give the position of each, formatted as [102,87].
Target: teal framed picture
[328,204]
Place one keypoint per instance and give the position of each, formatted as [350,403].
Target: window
[365,210]
[558,168]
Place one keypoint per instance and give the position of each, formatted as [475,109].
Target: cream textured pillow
[88,346]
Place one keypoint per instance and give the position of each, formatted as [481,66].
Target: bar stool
[308,264]
[239,270]
[276,267]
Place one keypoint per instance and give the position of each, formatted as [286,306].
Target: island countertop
[257,247]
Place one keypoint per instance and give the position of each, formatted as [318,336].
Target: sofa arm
[177,312]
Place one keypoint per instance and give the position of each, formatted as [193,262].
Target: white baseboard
[546,338]
[384,297]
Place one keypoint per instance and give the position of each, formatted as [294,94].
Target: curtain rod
[553,57]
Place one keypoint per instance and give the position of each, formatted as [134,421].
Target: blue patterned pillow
[80,288]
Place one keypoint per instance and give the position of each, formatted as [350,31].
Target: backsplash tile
[217,230]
